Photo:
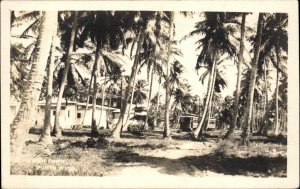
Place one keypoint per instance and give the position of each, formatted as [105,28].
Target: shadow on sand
[252,166]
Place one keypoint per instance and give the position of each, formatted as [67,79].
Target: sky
[183,26]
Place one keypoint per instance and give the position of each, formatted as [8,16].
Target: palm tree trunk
[149,98]
[276,91]
[131,101]
[88,98]
[167,131]
[238,82]
[109,105]
[263,126]
[209,92]
[209,103]
[248,111]
[46,134]
[117,130]
[94,131]
[57,126]
[157,106]
[24,118]
[102,102]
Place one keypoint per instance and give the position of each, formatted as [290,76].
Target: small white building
[72,114]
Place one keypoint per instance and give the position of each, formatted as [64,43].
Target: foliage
[140,92]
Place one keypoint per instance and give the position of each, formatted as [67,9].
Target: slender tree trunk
[167,131]
[102,102]
[46,134]
[149,98]
[253,118]
[276,90]
[94,131]
[88,98]
[209,103]
[230,132]
[24,118]
[157,106]
[210,84]
[263,126]
[57,126]
[248,111]
[117,130]
[131,100]
[109,105]
[94,125]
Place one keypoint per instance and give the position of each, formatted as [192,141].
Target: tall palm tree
[157,103]
[22,121]
[140,28]
[131,102]
[213,45]
[57,127]
[249,108]
[274,47]
[46,134]
[238,82]
[167,131]
[106,29]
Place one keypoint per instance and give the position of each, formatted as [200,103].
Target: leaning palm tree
[20,59]
[57,126]
[213,45]
[139,28]
[22,121]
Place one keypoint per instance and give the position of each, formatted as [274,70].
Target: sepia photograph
[134,94]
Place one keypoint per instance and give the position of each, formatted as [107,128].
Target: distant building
[72,113]
[189,122]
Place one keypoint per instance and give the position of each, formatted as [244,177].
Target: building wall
[67,118]
[88,117]
[70,115]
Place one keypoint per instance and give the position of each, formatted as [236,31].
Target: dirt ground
[150,155]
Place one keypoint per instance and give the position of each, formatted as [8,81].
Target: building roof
[43,102]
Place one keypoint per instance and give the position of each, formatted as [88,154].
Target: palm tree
[249,108]
[238,82]
[106,30]
[114,88]
[46,134]
[131,101]
[22,121]
[280,44]
[57,127]
[181,104]
[88,99]
[157,103]
[214,44]
[140,27]
[167,131]
[140,92]
[274,41]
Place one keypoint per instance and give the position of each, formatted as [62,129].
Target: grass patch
[76,153]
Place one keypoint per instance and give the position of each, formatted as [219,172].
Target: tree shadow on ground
[253,166]
[280,139]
